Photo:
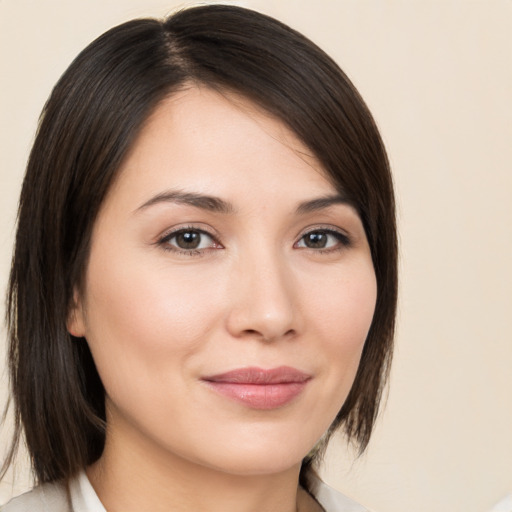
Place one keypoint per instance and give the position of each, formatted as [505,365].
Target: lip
[259,388]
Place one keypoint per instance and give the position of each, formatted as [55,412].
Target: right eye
[188,241]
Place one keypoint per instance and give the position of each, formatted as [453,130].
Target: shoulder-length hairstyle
[89,123]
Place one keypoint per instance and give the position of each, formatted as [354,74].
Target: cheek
[343,315]
[346,304]
[140,317]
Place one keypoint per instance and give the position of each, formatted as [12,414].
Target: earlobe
[75,321]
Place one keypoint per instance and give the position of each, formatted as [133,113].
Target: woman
[204,280]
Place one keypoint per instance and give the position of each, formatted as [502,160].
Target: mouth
[258,388]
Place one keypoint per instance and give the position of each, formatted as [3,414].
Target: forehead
[218,143]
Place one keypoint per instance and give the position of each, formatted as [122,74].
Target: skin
[158,318]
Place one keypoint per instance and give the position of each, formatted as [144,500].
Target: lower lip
[260,396]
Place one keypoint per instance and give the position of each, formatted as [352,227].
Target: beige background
[438,77]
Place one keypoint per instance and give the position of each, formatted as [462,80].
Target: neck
[144,478]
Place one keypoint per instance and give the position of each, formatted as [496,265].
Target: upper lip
[254,375]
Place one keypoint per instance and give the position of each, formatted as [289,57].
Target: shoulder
[332,500]
[50,497]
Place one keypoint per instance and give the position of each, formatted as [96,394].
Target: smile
[258,388]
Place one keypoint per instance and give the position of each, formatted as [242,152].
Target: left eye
[322,239]
[189,239]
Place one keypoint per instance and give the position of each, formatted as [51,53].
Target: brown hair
[87,126]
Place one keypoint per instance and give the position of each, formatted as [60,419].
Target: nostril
[266,338]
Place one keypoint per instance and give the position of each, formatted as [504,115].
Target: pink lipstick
[258,388]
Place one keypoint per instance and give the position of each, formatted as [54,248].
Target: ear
[75,323]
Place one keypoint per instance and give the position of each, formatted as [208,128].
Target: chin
[267,463]
[240,457]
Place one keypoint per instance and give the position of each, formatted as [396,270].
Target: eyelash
[164,241]
[344,241]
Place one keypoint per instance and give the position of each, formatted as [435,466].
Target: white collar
[83,496]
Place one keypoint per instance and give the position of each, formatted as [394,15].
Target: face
[228,293]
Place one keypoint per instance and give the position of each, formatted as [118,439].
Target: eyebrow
[322,203]
[204,202]
[218,205]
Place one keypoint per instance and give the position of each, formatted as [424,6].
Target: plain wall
[438,77]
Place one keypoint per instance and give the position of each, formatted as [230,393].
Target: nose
[264,302]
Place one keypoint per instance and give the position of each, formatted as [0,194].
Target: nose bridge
[264,302]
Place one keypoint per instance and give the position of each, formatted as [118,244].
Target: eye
[188,240]
[323,239]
